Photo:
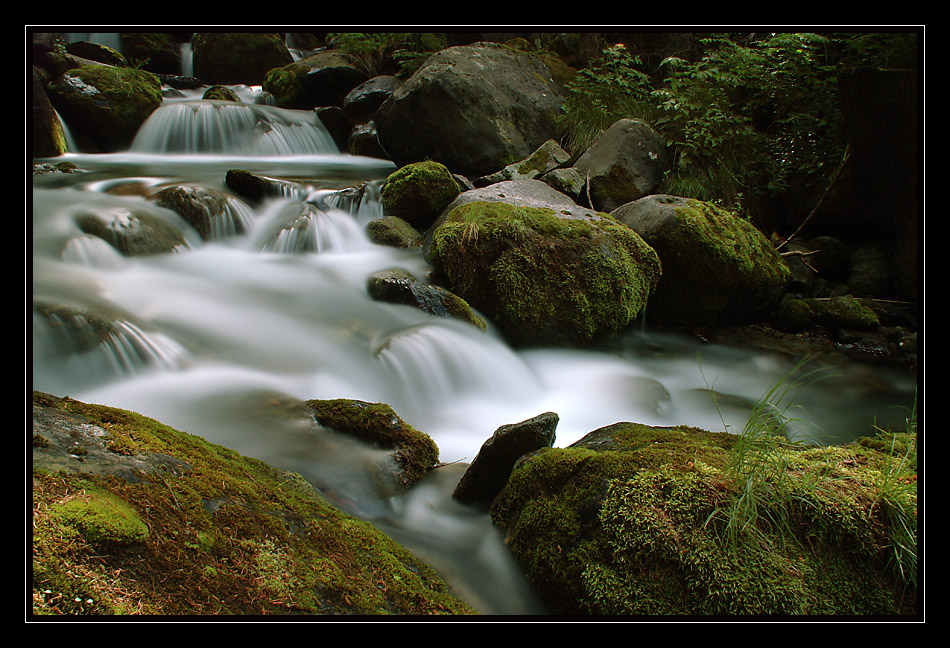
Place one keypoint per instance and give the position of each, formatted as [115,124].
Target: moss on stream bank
[636,520]
[133,517]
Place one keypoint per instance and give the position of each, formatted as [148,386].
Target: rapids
[282,310]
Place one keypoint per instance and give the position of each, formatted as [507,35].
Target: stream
[281,310]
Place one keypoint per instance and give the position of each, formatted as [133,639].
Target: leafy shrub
[753,119]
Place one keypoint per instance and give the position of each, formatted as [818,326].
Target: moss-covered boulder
[845,312]
[418,192]
[231,58]
[717,268]
[678,521]
[547,271]
[132,517]
[376,423]
[103,105]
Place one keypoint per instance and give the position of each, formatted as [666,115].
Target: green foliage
[610,88]
[750,121]
[759,465]
[399,53]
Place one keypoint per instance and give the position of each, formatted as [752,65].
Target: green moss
[418,192]
[542,277]
[230,535]
[285,85]
[637,527]
[377,424]
[102,518]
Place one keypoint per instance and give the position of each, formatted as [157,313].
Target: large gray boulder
[717,268]
[626,162]
[475,109]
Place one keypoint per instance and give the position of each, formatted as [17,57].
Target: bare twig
[831,183]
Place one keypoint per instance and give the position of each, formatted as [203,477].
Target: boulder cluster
[553,248]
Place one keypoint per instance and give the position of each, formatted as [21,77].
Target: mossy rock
[101,518]
[393,231]
[718,269]
[545,270]
[844,312]
[238,536]
[415,452]
[418,192]
[104,106]
[635,520]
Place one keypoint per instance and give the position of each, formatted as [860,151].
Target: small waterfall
[297,227]
[362,203]
[187,59]
[222,127]
[92,251]
[124,350]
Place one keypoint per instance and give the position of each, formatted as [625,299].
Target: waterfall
[222,127]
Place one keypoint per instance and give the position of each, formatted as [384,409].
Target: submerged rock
[547,271]
[213,213]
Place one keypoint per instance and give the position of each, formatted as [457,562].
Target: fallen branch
[831,183]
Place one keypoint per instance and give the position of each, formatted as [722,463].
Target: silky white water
[208,331]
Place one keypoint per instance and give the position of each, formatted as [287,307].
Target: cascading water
[280,308]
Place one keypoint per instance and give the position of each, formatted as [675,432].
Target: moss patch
[231,535]
[543,278]
[640,528]
[418,192]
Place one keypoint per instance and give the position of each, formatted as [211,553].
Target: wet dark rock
[362,102]
[323,79]
[231,58]
[489,471]
[212,212]
[133,231]
[400,287]
[363,140]
[475,109]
